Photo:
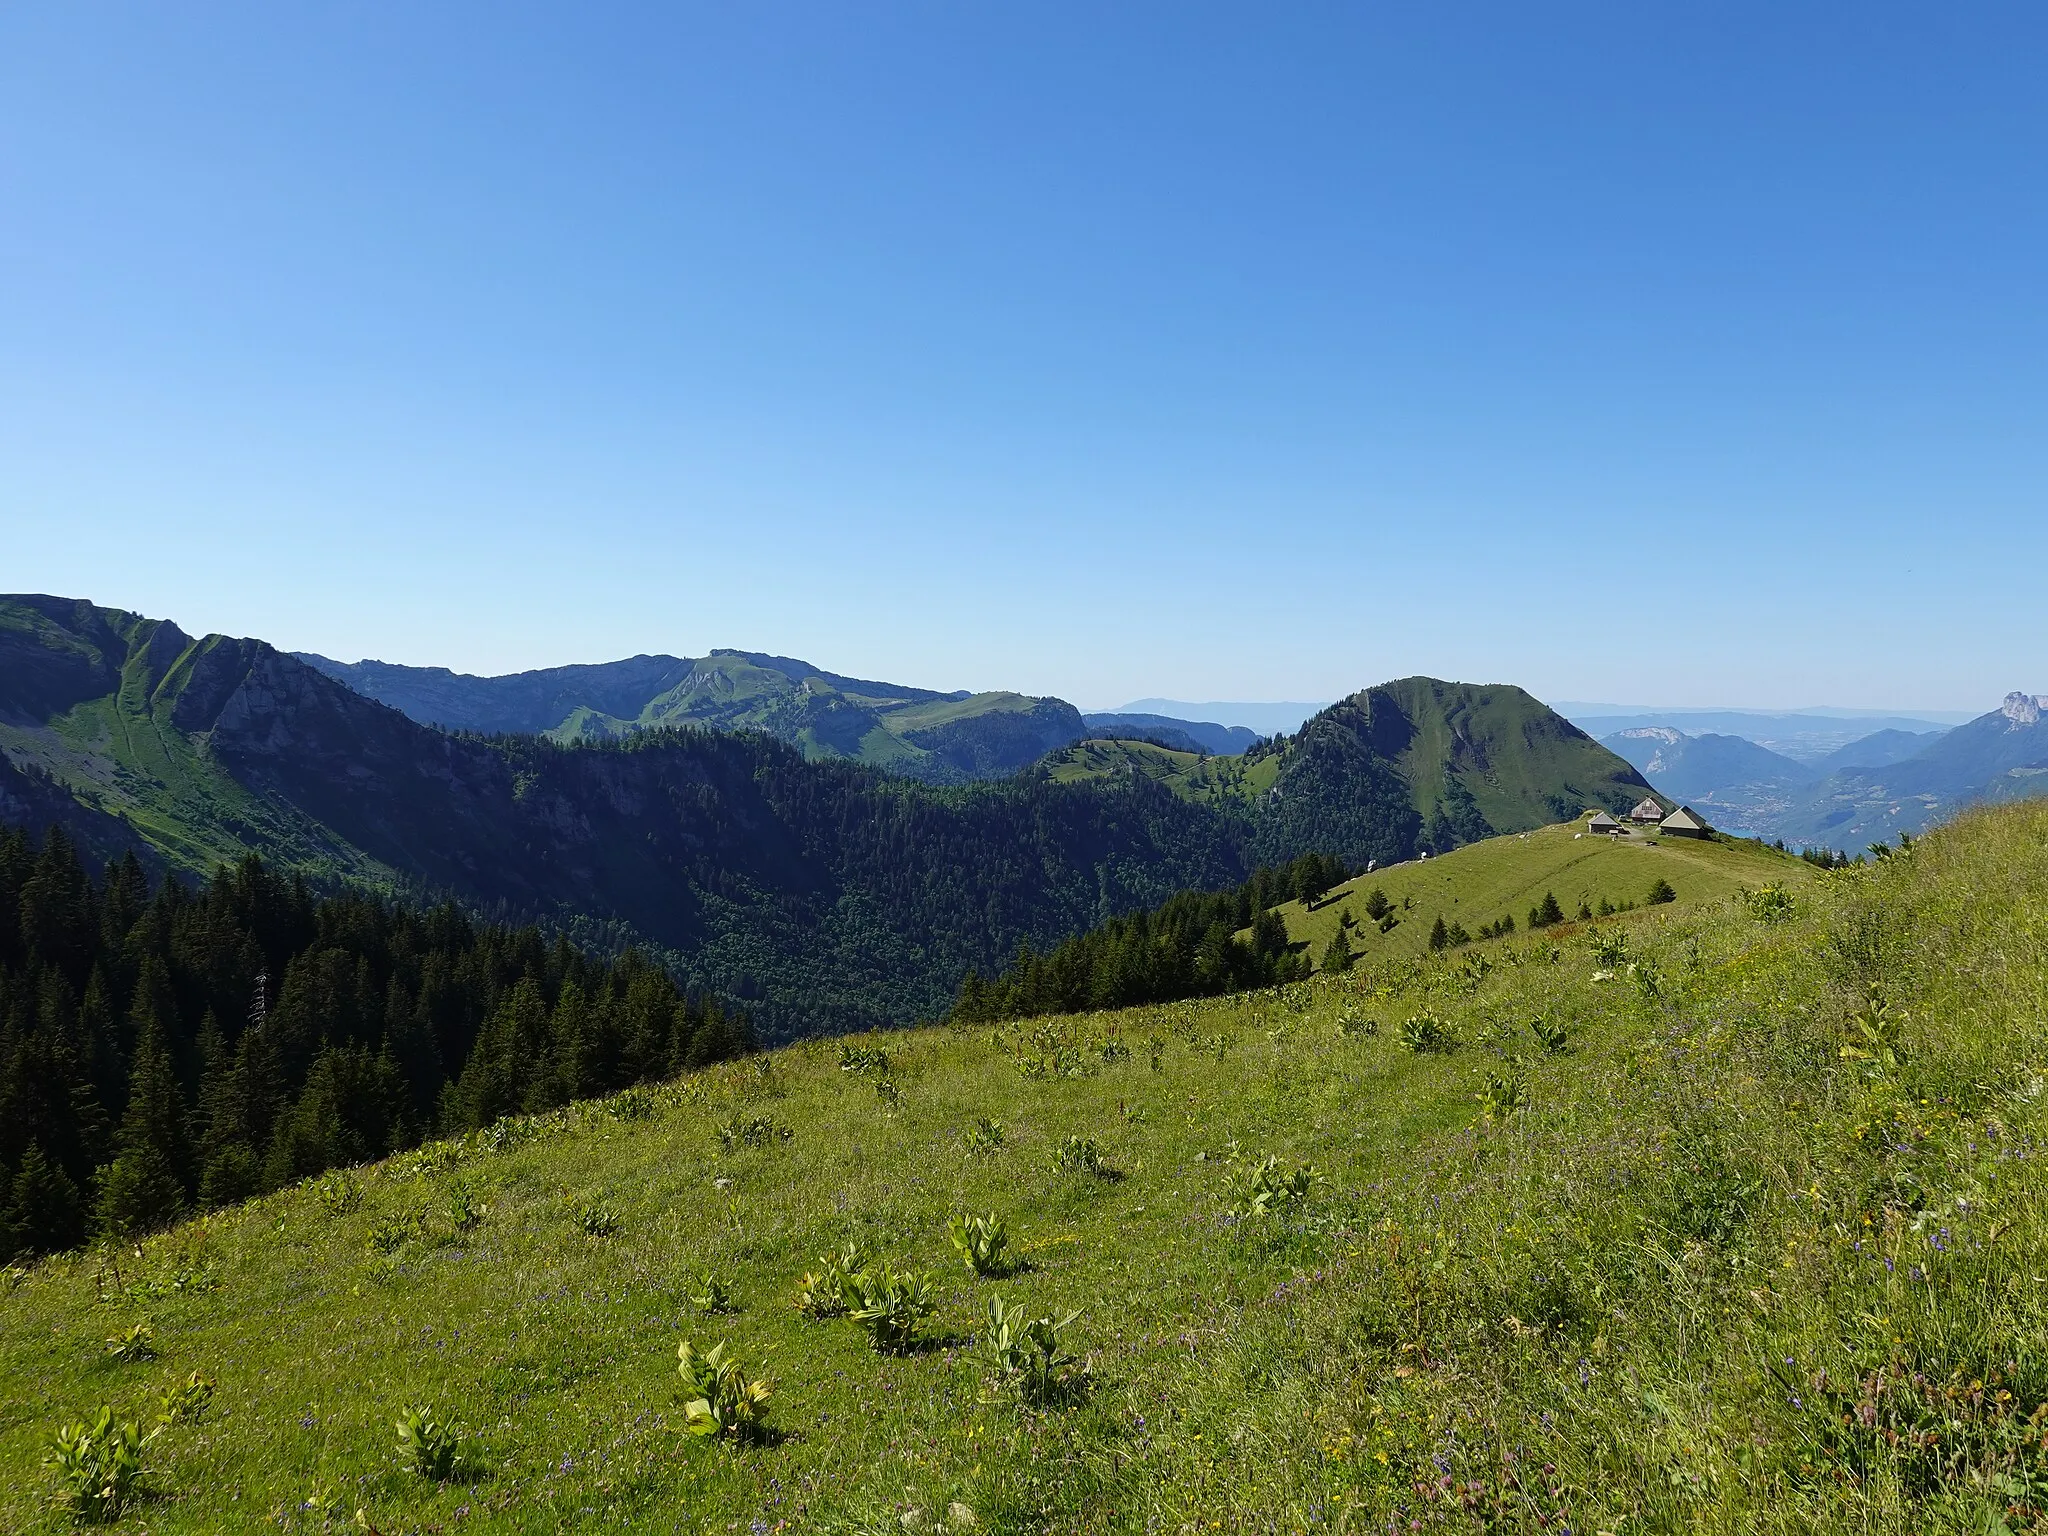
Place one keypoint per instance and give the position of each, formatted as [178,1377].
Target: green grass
[1705,1269]
[1506,876]
[1191,775]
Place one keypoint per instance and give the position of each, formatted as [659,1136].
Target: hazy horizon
[1181,352]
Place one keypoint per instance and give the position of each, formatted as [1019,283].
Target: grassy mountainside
[1751,1247]
[939,737]
[822,894]
[1503,877]
[1408,766]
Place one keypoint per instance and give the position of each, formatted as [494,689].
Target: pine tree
[1337,955]
[145,1186]
[43,1212]
[1440,935]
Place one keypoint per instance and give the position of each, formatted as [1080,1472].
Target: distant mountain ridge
[1738,785]
[2001,755]
[1802,735]
[918,732]
[1181,735]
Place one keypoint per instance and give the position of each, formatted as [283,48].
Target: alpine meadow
[1032,770]
[1719,1216]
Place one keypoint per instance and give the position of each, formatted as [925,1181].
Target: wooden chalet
[1601,822]
[1683,823]
[1646,812]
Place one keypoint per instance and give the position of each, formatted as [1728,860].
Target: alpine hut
[1601,822]
[1647,812]
[1683,823]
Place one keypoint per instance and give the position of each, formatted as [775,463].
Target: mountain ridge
[925,733]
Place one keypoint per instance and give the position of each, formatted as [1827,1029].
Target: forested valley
[165,1047]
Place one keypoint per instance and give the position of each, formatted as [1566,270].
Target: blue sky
[1691,355]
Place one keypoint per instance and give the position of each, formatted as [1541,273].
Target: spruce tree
[1337,954]
[43,1212]
[1440,935]
[144,1188]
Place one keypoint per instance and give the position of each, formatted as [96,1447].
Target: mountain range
[941,738]
[823,892]
[1885,782]
[1805,736]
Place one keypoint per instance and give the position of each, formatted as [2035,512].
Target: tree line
[1187,947]
[165,1048]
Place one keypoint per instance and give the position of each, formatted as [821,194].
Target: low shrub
[599,1220]
[633,1104]
[824,1292]
[390,1233]
[1769,904]
[465,1211]
[1271,1186]
[711,1295]
[864,1060]
[99,1466]
[1026,1355]
[185,1402]
[1505,1092]
[338,1192]
[135,1346]
[429,1446]
[889,1303]
[723,1399]
[1079,1154]
[757,1131]
[980,1241]
[1426,1034]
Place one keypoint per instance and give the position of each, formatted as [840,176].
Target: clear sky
[1689,354]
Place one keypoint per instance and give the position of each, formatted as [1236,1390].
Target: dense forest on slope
[824,894]
[168,1047]
[1187,947]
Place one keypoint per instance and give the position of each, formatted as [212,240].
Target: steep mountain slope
[1743,787]
[1880,749]
[938,737]
[1182,735]
[825,894]
[1408,766]
[2002,755]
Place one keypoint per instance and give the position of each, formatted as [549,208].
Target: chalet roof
[1600,821]
[1647,809]
[1683,820]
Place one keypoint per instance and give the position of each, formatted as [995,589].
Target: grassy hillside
[1409,766]
[1478,885]
[938,737]
[1753,1247]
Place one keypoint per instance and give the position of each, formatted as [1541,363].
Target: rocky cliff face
[2022,709]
